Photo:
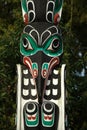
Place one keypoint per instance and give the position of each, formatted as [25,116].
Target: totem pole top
[41,11]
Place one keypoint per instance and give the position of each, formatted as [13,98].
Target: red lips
[48,117]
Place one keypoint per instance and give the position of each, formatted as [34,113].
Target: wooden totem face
[40,103]
[40,47]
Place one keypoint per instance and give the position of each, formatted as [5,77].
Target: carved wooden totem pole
[40,87]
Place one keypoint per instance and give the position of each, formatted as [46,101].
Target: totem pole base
[27,106]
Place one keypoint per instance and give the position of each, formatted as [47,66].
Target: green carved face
[51,47]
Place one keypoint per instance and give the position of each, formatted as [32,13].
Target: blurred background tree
[10,30]
[73,25]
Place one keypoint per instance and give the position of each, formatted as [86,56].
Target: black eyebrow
[49,32]
[53,30]
[32,32]
[27,29]
[45,36]
[35,35]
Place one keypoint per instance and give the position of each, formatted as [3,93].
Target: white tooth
[48,82]
[33,92]
[47,92]
[54,92]
[25,71]
[26,81]
[25,92]
[32,82]
[56,72]
[55,81]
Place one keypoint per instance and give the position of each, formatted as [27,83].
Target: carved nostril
[48,108]
[31,108]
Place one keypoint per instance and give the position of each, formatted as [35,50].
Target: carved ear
[58,10]
[28,11]
[50,10]
[54,10]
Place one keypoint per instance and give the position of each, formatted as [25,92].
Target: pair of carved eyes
[54,45]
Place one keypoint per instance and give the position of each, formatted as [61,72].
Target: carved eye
[54,45]
[26,44]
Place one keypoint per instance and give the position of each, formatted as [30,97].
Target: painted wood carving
[40,87]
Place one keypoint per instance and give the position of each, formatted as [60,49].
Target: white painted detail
[34,30]
[48,110]
[32,82]
[27,27]
[60,12]
[33,12]
[61,125]
[33,92]
[61,101]
[25,92]
[26,81]
[47,37]
[20,101]
[56,72]
[49,12]
[25,71]
[55,81]
[18,127]
[48,82]
[47,92]
[54,92]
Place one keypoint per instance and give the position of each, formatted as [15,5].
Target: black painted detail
[31,119]
[30,5]
[50,6]
[50,16]
[25,43]
[31,108]
[29,87]
[52,87]
[48,108]
[27,29]
[31,10]
[55,44]
[40,10]
[45,35]
[31,16]
[35,34]
[53,30]
[53,117]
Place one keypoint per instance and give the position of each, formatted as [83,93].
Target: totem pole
[40,87]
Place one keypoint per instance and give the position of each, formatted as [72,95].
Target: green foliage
[73,25]
[10,30]
[75,56]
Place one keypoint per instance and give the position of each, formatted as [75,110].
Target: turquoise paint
[24,5]
[43,48]
[58,6]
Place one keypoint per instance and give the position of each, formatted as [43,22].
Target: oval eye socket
[55,44]
[26,44]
